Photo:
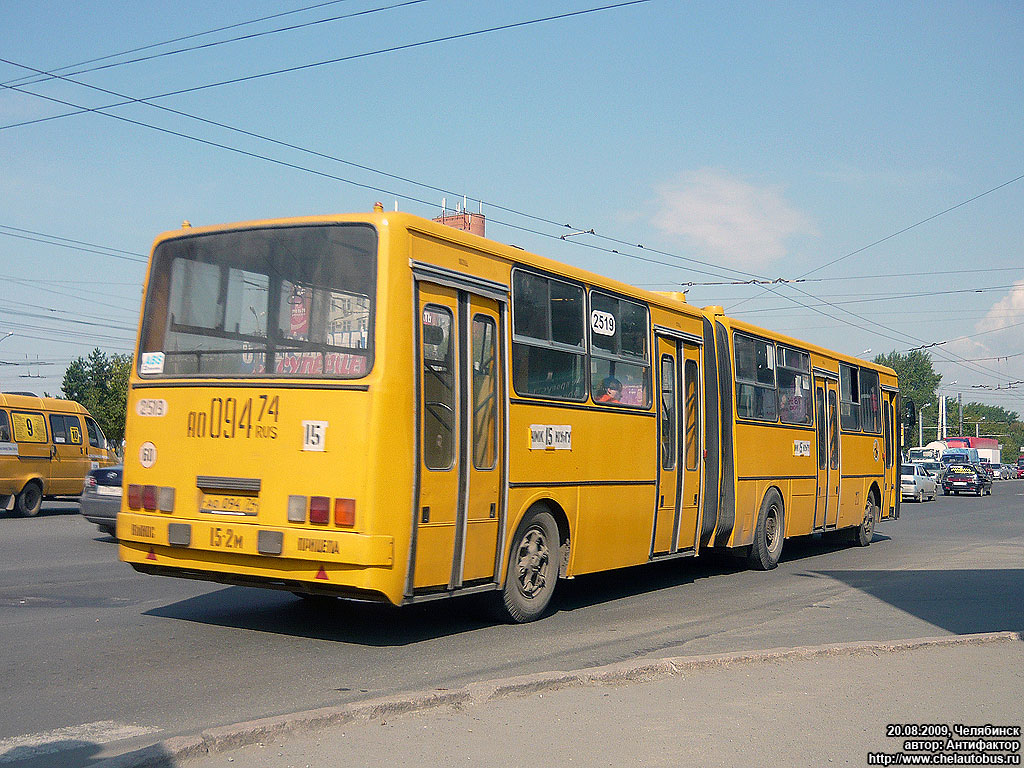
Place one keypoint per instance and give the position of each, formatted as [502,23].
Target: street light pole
[920,424]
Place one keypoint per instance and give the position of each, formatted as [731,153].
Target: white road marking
[71,737]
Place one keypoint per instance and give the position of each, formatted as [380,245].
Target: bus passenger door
[826,422]
[461,429]
[668,450]
[692,455]
[679,454]
[891,480]
[484,442]
[438,414]
[834,463]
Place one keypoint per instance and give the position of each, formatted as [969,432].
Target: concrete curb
[165,754]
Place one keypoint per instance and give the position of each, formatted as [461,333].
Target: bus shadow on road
[381,625]
[959,601]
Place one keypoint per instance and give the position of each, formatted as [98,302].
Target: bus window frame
[613,358]
[809,423]
[854,405]
[151,311]
[550,343]
[878,411]
[736,380]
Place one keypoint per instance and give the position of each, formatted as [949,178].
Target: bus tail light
[345,512]
[134,496]
[319,510]
[296,509]
[149,497]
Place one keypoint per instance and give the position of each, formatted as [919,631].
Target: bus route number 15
[314,435]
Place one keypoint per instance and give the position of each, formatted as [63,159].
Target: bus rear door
[461,438]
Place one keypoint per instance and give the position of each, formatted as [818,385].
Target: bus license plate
[218,504]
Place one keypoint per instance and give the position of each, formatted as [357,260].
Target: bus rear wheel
[768,534]
[532,569]
[864,532]
[29,501]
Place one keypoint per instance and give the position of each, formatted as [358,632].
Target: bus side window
[438,388]
[58,429]
[485,390]
[668,412]
[692,414]
[96,439]
[5,428]
[74,429]
[819,407]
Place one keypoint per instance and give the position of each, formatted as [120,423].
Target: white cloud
[1008,311]
[743,225]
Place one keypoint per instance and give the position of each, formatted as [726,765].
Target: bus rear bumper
[322,560]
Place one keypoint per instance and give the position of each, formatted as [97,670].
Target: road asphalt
[841,704]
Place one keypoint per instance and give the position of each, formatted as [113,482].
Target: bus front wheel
[532,569]
[768,534]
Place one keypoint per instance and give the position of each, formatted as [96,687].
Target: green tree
[918,382]
[100,383]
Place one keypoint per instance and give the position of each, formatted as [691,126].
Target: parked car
[965,478]
[1020,472]
[917,483]
[101,498]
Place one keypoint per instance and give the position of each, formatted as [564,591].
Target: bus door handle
[53,451]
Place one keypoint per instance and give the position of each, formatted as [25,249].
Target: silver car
[101,498]
[917,483]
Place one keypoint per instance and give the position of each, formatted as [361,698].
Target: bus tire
[29,501]
[865,532]
[768,533]
[532,569]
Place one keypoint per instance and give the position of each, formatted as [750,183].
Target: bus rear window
[281,301]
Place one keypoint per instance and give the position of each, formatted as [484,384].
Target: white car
[917,483]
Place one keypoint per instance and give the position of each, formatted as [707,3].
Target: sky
[866,155]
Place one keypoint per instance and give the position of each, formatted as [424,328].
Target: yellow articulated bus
[381,407]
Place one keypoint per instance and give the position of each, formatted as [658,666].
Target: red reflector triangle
[151,555]
[321,574]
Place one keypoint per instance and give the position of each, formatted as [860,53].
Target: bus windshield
[277,301]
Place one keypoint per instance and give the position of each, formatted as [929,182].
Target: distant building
[467,222]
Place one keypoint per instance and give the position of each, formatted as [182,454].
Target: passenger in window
[611,390]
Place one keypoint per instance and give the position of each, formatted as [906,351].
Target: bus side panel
[800,506]
[859,465]
[613,527]
[610,457]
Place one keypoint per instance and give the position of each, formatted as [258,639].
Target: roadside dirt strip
[215,740]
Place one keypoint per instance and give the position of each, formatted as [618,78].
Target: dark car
[101,498]
[965,478]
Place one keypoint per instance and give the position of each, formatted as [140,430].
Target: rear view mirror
[909,414]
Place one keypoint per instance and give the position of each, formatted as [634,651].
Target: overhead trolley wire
[21,81]
[53,74]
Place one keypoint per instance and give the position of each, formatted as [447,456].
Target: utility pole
[960,402]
